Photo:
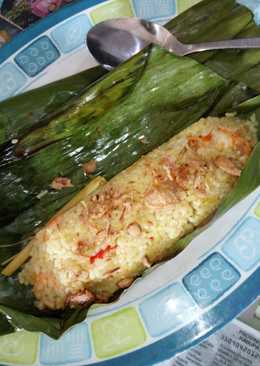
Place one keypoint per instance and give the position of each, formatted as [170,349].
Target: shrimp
[227,165]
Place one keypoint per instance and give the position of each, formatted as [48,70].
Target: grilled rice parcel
[104,241]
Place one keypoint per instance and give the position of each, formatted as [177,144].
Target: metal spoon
[114,41]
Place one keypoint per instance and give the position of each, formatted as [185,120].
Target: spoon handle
[229,44]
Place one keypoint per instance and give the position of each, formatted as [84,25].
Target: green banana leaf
[182,89]
[154,95]
[5,326]
[19,115]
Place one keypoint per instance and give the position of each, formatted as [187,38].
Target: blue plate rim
[35,30]
[214,320]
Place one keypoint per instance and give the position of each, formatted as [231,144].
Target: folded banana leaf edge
[89,116]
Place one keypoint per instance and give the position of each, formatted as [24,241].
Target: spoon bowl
[114,41]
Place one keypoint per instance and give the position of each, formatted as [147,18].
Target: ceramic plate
[179,303]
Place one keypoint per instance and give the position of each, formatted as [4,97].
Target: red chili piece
[101,253]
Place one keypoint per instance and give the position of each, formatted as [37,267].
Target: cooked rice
[104,242]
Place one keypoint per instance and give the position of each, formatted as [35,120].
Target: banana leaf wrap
[155,95]
[19,115]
